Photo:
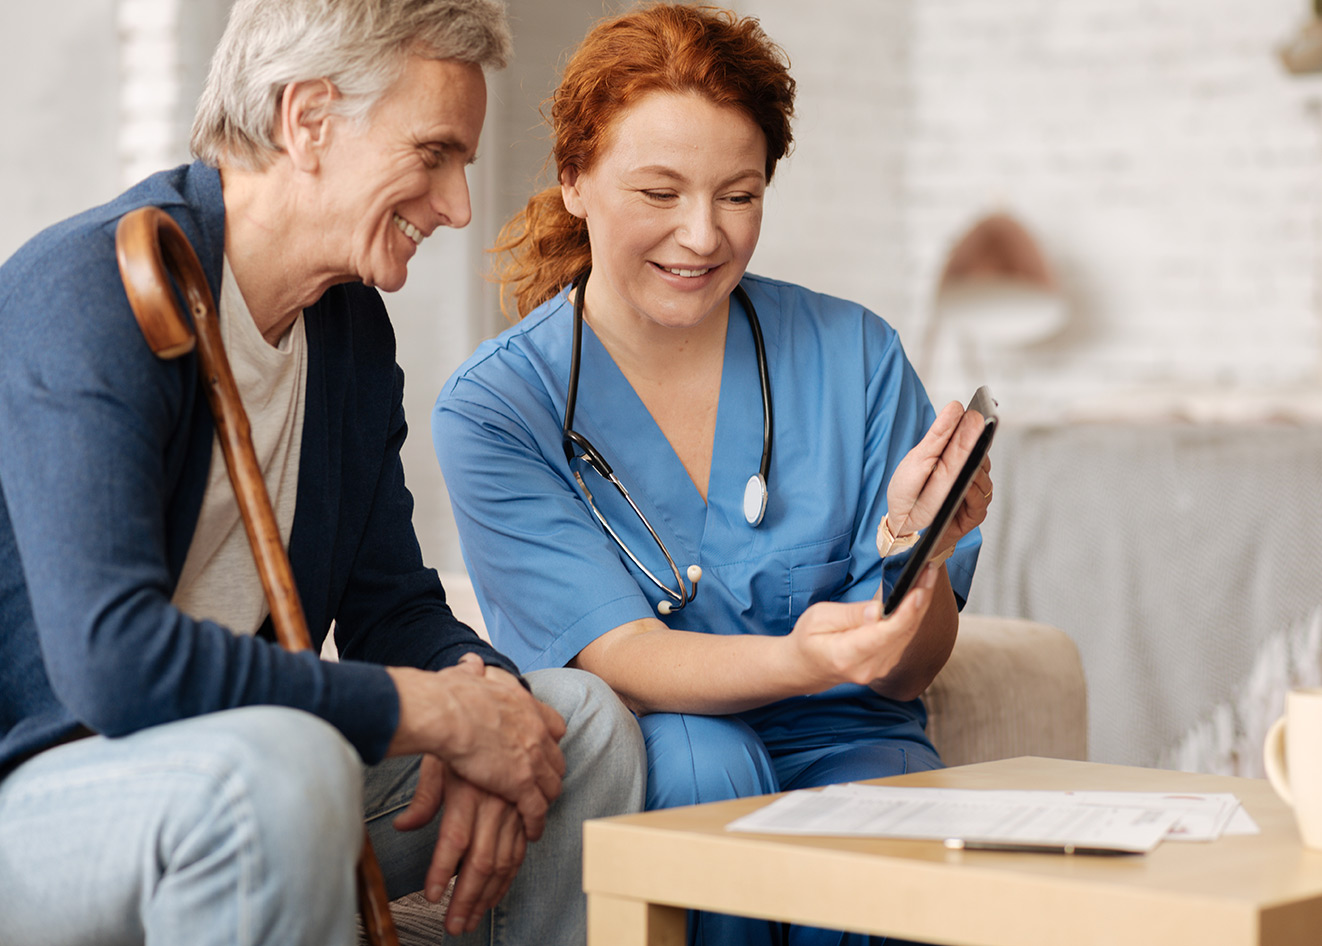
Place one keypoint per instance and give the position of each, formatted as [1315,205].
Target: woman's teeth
[408,229]
[687,272]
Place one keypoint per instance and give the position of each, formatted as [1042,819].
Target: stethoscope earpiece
[694,573]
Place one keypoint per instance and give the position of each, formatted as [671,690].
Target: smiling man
[161,759]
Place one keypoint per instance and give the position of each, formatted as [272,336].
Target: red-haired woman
[623,432]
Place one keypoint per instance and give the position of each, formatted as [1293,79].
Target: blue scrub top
[848,407]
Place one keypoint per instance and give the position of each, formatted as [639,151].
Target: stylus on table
[963,844]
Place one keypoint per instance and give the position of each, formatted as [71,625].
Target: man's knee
[602,743]
[267,811]
[292,776]
[697,759]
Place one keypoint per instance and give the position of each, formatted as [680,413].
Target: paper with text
[1125,821]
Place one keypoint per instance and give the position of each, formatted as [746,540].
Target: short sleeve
[528,539]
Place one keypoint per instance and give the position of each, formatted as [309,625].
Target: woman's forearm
[655,669]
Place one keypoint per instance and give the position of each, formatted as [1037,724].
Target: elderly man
[167,773]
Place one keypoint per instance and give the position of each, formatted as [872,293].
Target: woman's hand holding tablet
[929,488]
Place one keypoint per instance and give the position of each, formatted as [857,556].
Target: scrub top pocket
[810,583]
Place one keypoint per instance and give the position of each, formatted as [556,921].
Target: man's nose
[450,199]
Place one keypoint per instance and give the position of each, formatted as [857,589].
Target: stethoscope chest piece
[755,499]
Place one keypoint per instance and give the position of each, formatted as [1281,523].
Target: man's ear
[304,121]
[570,194]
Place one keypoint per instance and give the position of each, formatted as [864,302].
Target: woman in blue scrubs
[775,670]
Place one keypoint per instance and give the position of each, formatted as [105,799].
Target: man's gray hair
[360,46]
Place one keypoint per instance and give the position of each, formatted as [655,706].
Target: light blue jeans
[243,827]
[605,774]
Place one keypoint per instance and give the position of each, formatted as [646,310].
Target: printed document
[1121,821]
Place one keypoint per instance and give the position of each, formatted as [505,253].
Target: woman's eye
[658,195]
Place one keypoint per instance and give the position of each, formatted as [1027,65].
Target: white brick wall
[834,216]
[1170,168]
[59,116]
[151,133]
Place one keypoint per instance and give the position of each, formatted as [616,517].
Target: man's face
[393,178]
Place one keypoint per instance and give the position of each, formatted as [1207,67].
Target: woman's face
[673,206]
[392,179]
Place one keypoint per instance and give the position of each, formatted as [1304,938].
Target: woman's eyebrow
[667,171]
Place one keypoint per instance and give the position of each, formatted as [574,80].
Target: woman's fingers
[977,498]
[924,477]
[973,510]
[913,606]
[852,642]
[915,469]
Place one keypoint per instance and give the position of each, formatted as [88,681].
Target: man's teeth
[408,229]
[687,272]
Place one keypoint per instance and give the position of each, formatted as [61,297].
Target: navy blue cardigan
[104,453]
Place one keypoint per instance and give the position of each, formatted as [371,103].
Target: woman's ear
[570,193]
[304,121]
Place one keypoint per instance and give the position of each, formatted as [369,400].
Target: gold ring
[985,494]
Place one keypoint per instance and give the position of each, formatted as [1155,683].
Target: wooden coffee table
[641,872]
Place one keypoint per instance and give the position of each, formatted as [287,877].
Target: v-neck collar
[610,413]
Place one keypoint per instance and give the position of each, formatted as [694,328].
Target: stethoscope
[578,446]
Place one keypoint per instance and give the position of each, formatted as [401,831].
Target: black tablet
[984,404]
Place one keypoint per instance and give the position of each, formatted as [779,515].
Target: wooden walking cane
[151,247]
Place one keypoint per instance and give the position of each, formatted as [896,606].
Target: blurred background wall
[1155,156]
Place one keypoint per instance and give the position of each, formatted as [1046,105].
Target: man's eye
[658,195]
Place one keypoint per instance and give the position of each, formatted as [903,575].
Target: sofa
[1011,688]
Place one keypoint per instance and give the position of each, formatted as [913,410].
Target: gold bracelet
[888,543]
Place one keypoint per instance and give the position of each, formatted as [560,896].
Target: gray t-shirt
[220,581]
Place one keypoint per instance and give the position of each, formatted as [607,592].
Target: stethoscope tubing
[764,378]
[594,456]
[576,445]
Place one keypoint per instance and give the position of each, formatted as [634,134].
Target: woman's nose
[698,231]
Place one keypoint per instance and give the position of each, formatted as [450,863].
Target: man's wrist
[497,672]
